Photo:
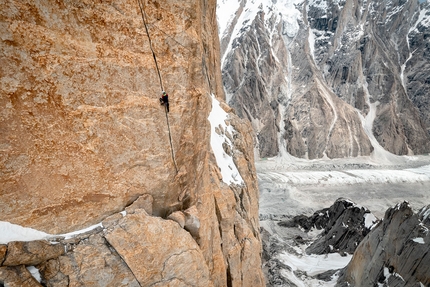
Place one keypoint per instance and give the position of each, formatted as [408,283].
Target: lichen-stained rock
[31,253]
[90,263]
[17,276]
[159,251]
[395,253]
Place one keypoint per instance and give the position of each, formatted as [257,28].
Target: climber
[164,100]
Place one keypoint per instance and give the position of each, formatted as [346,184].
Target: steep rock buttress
[84,136]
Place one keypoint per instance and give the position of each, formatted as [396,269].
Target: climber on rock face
[164,100]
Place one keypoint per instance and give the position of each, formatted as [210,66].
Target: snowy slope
[219,131]
[227,10]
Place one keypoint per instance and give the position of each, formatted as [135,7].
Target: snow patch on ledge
[74,233]
[35,273]
[419,240]
[217,118]
[12,232]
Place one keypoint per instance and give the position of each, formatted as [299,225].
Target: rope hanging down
[142,11]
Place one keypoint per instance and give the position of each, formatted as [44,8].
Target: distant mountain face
[335,78]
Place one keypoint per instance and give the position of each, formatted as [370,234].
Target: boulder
[17,276]
[162,252]
[192,222]
[31,253]
[142,202]
[179,217]
[90,263]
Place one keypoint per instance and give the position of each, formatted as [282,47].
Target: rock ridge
[344,226]
[395,253]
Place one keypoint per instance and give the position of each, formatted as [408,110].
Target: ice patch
[425,213]
[35,273]
[217,118]
[419,240]
[311,40]
[74,233]
[370,220]
[387,275]
[321,4]
[423,19]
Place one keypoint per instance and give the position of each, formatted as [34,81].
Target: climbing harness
[144,17]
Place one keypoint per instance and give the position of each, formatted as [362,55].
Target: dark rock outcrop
[395,253]
[345,224]
[31,253]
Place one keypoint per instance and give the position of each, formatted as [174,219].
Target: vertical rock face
[395,253]
[84,136]
[329,78]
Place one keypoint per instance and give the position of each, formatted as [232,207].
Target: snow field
[227,9]
[315,264]
[303,267]
[347,177]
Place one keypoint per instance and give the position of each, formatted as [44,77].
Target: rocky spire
[395,253]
